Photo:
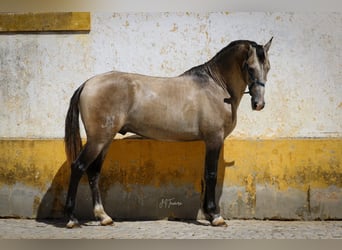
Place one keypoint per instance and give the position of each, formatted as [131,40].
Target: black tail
[72,138]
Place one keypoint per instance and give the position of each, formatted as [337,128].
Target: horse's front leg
[210,176]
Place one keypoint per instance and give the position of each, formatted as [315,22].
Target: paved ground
[163,229]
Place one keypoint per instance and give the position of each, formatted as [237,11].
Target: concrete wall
[268,168]
[40,72]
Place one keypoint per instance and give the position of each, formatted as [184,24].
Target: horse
[200,104]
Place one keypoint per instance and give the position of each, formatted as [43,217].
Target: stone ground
[163,229]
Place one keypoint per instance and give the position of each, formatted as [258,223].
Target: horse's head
[256,68]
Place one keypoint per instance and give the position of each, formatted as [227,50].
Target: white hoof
[101,214]
[219,222]
[107,221]
[72,224]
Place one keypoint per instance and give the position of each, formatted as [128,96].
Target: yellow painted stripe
[129,162]
[282,163]
[30,162]
[45,22]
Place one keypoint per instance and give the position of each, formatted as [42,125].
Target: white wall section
[39,72]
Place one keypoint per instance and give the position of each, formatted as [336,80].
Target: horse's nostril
[257,105]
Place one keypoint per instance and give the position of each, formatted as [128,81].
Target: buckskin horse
[200,104]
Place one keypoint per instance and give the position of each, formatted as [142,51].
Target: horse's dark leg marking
[83,161]
[76,174]
[93,173]
[210,176]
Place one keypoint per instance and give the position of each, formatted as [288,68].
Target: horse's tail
[72,137]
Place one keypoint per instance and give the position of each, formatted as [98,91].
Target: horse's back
[161,108]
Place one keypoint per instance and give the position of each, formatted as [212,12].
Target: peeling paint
[39,73]
[282,178]
[284,163]
[262,174]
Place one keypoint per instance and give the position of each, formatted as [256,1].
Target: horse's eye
[251,70]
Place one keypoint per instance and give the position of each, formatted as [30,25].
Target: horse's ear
[268,45]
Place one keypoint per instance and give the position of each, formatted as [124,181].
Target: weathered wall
[282,179]
[263,174]
[40,72]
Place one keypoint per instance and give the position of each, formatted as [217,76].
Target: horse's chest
[218,118]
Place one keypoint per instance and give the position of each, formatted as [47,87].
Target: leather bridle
[253,80]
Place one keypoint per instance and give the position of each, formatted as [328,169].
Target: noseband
[253,79]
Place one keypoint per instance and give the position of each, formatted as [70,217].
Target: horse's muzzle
[258,105]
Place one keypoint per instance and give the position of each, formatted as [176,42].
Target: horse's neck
[229,76]
[236,90]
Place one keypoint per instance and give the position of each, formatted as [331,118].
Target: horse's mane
[200,72]
[259,48]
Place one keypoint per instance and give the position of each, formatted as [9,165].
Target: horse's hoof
[219,222]
[107,221]
[72,224]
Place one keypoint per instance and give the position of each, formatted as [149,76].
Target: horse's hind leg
[89,153]
[93,173]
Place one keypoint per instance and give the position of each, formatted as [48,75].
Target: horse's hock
[146,179]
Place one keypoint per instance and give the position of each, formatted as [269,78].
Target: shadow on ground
[138,188]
